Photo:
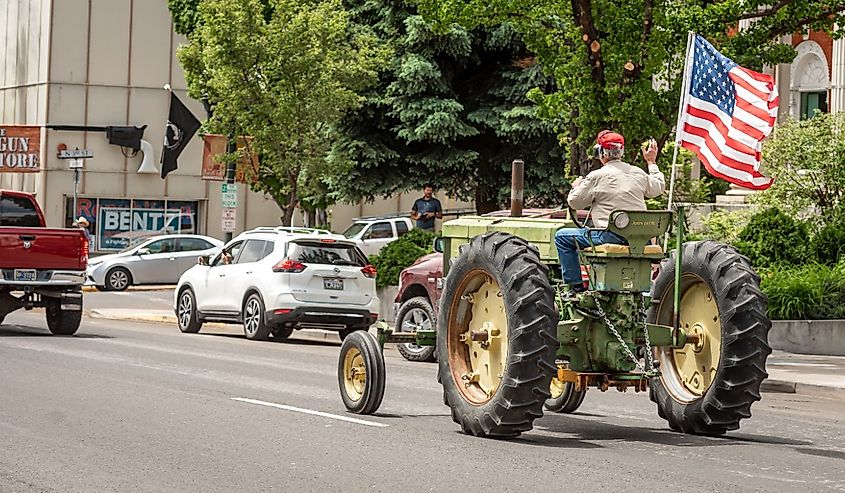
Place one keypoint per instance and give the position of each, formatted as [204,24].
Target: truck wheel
[496,337]
[255,327]
[415,314]
[360,373]
[564,399]
[186,312]
[62,322]
[118,279]
[709,386]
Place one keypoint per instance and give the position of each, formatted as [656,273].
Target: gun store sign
[20,149]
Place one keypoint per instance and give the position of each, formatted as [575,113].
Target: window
[326,253]
[162,246]
[812,101]
[120,223]
[354,229]
[253,251]
[229,254]
[401,228]
[193,244]
[380,231]
[18,212]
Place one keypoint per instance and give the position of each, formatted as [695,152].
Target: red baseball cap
[610,140]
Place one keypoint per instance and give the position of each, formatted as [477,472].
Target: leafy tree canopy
[807,160]
[451,109]
[282,71]
[617,63]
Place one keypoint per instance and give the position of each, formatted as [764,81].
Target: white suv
[275,280]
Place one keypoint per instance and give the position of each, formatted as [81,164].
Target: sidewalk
[146,287]
[788,372]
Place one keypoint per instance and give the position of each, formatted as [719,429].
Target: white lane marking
[310,411]
[818,365]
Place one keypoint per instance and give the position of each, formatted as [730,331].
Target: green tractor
[510,341]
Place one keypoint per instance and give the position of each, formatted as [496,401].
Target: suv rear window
[18,212]
[326,253]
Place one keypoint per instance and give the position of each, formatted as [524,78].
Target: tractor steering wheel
[573,215]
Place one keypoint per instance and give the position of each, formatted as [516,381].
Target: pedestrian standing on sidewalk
[426,209]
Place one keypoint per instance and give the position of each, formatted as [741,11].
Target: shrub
[725,226]
[399,254]
[772,238]
[810,291]
[829,244]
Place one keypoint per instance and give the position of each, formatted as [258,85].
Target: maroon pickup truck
[40,266]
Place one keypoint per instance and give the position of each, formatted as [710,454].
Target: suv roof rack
[290,230]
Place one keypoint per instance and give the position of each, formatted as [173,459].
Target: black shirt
[422,206]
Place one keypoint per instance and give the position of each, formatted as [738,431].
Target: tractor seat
[623,249]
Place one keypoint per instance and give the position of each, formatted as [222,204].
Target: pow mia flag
[181,126]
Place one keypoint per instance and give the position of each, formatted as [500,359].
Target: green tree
[451,109]
[617,63]
[807,160]
[282,71]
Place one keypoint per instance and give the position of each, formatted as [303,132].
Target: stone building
[95,63]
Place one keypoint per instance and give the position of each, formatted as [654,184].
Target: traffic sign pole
[230,177]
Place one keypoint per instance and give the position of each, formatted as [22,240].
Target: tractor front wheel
[360,373]
[565,399]
[708,386]
[496,336]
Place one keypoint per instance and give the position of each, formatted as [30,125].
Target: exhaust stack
[517,186]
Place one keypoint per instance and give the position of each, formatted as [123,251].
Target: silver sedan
[159,260]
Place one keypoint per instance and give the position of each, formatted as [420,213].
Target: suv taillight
[370,271]
[289,266]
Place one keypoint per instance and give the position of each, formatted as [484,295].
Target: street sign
[230,200]
[76,154]
[76,163]
[228,225]
[229,188]
[229,213]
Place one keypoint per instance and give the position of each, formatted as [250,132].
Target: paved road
[140,407]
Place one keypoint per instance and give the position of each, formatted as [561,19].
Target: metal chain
[615,332]
[649,356]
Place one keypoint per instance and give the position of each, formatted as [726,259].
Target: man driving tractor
[617,185]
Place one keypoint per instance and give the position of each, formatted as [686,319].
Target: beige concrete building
[96,63]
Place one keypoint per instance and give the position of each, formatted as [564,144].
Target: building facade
[95,63]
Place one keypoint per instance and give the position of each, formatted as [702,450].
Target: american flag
[727,112]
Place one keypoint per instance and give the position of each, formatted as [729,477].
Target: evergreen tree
[450,109]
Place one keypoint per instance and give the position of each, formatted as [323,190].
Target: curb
[787,387]
[88,288]
[317,334]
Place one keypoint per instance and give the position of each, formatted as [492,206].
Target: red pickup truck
[40,266]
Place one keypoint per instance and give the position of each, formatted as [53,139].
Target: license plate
[333,284]
[24,275]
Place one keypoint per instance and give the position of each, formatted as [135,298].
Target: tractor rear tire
[708,387]
[498,289]
[565,399]
[360,373]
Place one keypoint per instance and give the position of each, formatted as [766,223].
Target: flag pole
[684,93]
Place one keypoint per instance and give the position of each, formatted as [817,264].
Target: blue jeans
[569,240]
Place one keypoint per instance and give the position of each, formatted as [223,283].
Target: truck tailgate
[42,249]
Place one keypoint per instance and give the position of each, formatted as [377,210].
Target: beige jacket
[616,185]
